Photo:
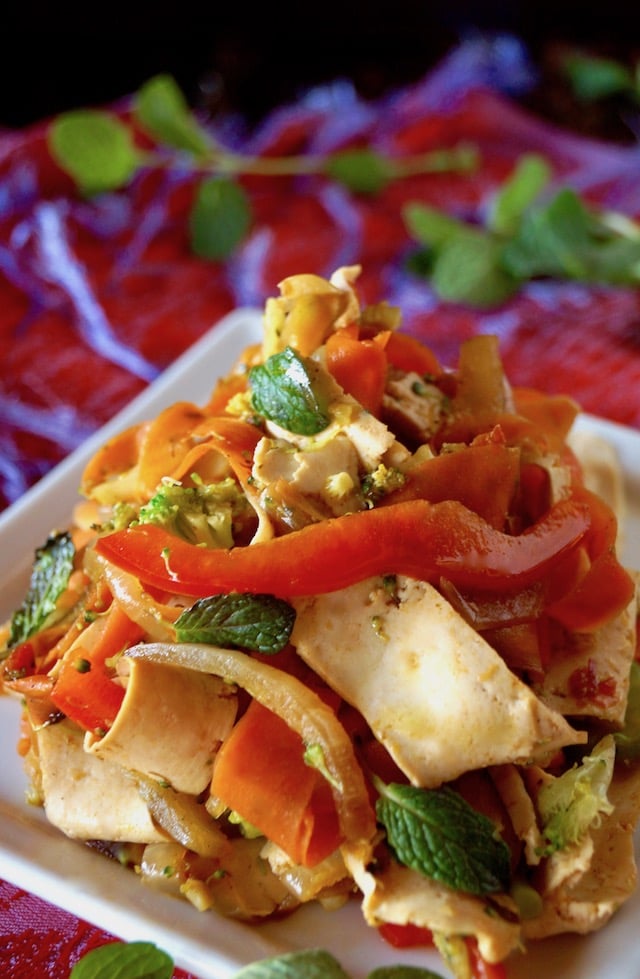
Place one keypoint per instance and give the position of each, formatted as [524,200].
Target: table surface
[100,295]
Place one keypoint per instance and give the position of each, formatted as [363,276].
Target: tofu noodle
[353,630]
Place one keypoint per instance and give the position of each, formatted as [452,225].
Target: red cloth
[98,296]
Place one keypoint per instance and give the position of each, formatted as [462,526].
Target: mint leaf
[161,108]
[531,174]
[119,960]
[430,226]
[283,391]
[594,78]
[403,972]
[437,833]
[467,269]
[361,170]
[566,239]
[552,241]
[50,574]
[95,148]
[259,622]
[220,218]
[312,964]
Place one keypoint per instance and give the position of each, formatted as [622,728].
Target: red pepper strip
[482,969]
[422,540]
[90,697]
[606,588]
[405,936]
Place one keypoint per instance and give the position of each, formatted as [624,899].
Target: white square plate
[36,857]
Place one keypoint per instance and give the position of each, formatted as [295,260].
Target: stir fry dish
[356,629]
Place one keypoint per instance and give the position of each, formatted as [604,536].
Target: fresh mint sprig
[142,960]
[259,622]
[523,238]
[100,151]
[594,77]
[437,833]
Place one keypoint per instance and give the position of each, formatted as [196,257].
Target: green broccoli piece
[200,514]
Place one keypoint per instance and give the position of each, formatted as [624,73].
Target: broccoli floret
[381,481]
[200,514]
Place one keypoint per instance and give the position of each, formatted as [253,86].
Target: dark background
[237,57]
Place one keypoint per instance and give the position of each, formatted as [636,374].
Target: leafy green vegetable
[142,960]
[95,148]
[565,240]
[121,960]
[596,77]
[310,964]
[523,239]
[200,514]
[571,803]
[50,574]
[283,390]
[437,833]
[259,622]
[467,269]
[220,218]
[98,150]
[161,108]
[628,739]
[531,175]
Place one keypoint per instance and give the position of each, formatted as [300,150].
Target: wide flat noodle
[401,896]
[170,724]
[600,659]
[86,797]
[438,696]
[585,884]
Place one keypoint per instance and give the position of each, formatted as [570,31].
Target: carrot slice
[260,773]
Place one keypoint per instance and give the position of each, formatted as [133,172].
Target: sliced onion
[299,707]
[156,619]
[181,817]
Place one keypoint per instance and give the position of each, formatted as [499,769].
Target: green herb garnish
[100,152]
[49,577]
[135,960]
[437,833]
[260,622]
[523,238]
[283,390]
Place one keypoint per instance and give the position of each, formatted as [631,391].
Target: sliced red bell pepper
[405,936]
[606,588]
[423,540]
[84,688]
[260,773]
